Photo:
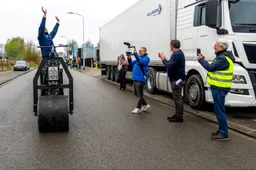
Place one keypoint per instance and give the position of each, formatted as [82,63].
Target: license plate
[53,73]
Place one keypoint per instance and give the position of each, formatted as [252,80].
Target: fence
[5,64]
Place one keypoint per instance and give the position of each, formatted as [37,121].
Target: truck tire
[108,72]
[112,73]
[117,75]
[194,91]
[151,81]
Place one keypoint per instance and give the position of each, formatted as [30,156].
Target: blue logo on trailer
[156,11]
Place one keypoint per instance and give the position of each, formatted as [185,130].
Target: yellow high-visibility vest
[223,78]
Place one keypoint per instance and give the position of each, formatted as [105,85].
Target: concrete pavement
[105,135]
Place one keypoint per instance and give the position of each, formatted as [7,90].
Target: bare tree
[88,44]
[70,46]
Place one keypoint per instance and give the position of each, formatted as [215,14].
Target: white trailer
[197,24]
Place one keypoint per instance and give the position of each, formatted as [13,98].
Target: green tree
[14,47]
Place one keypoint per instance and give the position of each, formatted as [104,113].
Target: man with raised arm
[44,38]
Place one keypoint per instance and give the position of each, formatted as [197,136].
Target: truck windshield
[242,14]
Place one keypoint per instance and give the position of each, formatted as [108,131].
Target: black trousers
[138,91]
[176,94]
[122,79]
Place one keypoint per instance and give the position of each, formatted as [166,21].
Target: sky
[23,17]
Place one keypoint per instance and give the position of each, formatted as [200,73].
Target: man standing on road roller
[220,76]
[46,39]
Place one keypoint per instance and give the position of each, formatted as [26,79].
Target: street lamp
[83,46]
[68,47]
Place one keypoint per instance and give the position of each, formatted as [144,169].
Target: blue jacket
[45,39]
[176,66]
[137,74]
[221,63]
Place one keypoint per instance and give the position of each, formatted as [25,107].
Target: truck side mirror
[212,13]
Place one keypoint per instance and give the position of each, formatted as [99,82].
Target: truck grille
[252,75]
[250,50]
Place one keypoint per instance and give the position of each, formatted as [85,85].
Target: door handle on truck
[203,35]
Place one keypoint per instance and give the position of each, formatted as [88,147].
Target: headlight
[240,91]
[239,79]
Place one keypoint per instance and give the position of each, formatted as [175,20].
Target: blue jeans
[219,110]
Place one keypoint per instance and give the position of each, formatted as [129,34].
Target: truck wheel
[194,91]
[112,73]
[108,72]
[151,81]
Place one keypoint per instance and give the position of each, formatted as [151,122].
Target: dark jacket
[46,39]
[137,74]
[176,66]
[221,63]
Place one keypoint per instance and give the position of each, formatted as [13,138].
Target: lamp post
[68,47]
[83,46]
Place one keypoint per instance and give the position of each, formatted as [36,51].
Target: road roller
[51,105]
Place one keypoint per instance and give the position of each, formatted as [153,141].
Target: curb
[6,81]
[233,126]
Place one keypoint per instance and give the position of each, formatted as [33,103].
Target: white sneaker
[136,111]
[144,108]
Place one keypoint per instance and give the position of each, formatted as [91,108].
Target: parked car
[21,65]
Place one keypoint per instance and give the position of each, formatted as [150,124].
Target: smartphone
[198,51]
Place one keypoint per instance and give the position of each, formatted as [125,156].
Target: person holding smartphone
[176,73]
[219,77]
[122,68]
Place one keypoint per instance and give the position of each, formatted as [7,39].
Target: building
[1,49]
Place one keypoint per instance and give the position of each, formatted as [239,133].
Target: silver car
[21,65]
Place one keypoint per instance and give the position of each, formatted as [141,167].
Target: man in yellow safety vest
[219,77]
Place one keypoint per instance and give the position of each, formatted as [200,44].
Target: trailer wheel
[108,72]
[151,81]
[194,91]
[112,73]
[117,75]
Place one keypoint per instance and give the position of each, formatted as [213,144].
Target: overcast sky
[23,17]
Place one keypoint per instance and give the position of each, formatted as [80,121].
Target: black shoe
[215,133]
[176,119]
[173,117]
[220,137]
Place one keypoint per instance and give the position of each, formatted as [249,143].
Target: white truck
[197,24]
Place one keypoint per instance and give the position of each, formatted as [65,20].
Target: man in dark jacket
[44,38]
[220,76]
[176,73]
[139,71]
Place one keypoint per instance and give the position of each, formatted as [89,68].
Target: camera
[129,53]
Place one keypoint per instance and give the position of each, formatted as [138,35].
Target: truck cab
[207,21]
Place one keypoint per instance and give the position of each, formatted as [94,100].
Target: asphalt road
[105,135]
